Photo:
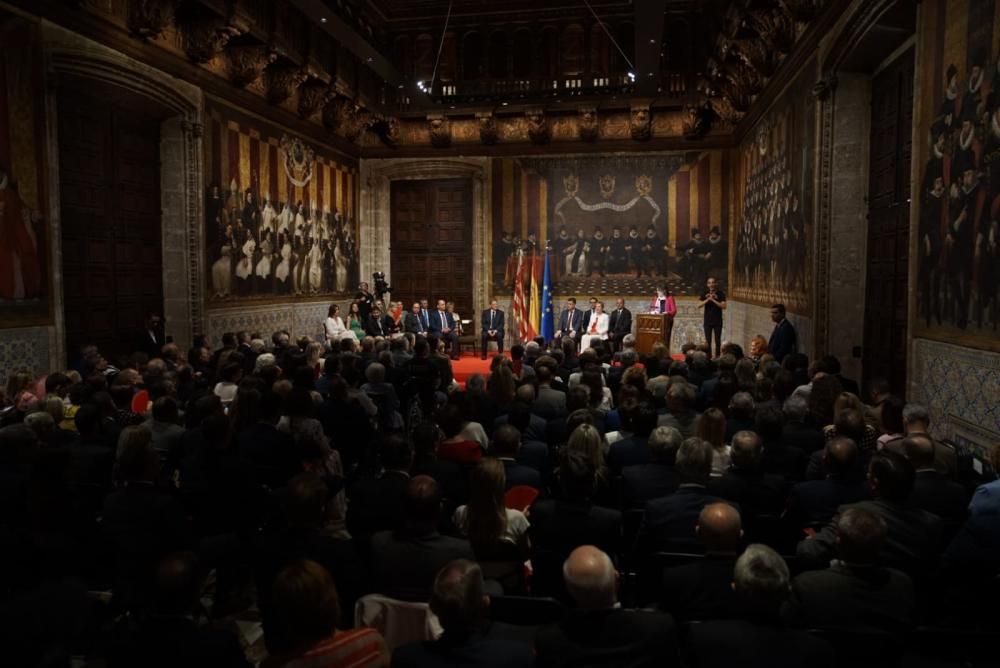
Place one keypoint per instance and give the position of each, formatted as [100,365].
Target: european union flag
[548,322]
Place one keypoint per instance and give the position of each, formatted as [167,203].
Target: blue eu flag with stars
[548,324]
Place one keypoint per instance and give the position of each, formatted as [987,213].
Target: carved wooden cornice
[147,19]
[538,127]
[313,96]
[204,37]
[282,80]
[245,64]
[587,126]
[440,131]
[488,132]
[640,123]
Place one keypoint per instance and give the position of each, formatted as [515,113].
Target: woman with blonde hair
[314,354]
[711,427]
[849,401]
[758,348]
[501,386]
[485,520]
[587,440]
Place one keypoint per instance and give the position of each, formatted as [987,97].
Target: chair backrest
[399,622]
[861,648]
[520,497]
[526,610]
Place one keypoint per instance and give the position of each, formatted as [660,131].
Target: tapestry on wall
[24,274]
[620,225]
[958,241]
[280,214]
[773,227]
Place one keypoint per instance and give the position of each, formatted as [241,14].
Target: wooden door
[886,293]
[431,242]
[109,174]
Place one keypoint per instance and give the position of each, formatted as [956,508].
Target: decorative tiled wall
[24,348]
[958,385]
[298,319]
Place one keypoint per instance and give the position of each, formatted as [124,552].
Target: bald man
[702,589]
[933,491]
[597,632]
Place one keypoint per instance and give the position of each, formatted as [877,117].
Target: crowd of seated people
[634,509]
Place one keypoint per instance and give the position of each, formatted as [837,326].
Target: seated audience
[746,484]
[680,413]
[669,521]
[308,610]
[657,478]
[917,420]
[932,491]
[712,429]
[816,501]
[598,631]
[855,591]
[485,520]
[757,636]
[702,589]
[460,602]
[507,447]
[634,450]
[404,561]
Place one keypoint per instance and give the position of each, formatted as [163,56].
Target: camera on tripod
[381,287]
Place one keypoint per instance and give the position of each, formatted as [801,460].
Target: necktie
[442,321]
[491,318]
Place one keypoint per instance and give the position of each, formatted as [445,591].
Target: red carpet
[469,364]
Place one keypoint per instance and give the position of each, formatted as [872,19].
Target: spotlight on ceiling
[631,76]
[422,87]
[322,19]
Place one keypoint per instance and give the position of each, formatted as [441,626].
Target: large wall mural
[24,273]
[280,212]
[958,149]
[621,224]
[773,227]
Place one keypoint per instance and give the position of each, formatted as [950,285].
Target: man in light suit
[492,327]
[570,321]
[619,324]
[597,328]
[442,325]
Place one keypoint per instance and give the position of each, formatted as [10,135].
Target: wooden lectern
[650,328]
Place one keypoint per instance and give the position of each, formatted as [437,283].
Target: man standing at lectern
[492,328]
[714,302]
[620,324]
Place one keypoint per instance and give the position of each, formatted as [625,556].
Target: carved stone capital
[313,95]
[538,127]
[246,63]
[147,19]
[487,128]
[700,120]
[823,88]
[194,129]
[281,81]
[440,131]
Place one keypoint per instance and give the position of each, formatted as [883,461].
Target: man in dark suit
[760,582]
[170,636]
[702,589]
[413,321]
[272,452]
[492,327]
[558,526]
[783,338]
[620,324]
[656,478]
[917,420]
[506,443]
[634,450]
[378,324]
[570,322]
[746,484]
[669,521]
[778,457]
[549,403]
[460,602]
[152,339]
[855,591]
[933,491]
[531,426]
[598,632]
[816,501]
[589,313]
[377,502]
[442,326]
[798,431]
[914,535]
[404,562]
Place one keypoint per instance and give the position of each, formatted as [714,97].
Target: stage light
[421,86]
[631,76]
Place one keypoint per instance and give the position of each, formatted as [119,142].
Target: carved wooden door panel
[886,296]
[431,242]
[109,183]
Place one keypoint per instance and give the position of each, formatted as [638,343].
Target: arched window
[498,52]
[523,54]
[572,62]
[472,55]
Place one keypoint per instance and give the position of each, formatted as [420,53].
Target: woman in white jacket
[596,328]
[335,329]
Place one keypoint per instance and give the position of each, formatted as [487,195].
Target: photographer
[365,300]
